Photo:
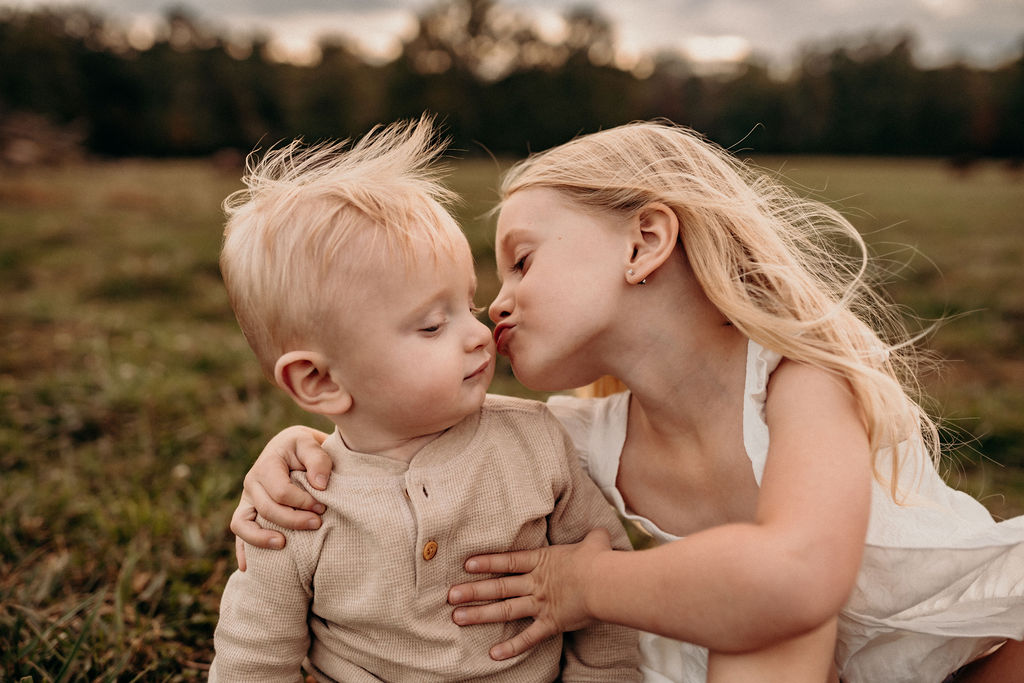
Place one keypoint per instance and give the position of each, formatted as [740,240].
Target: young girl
[766,438]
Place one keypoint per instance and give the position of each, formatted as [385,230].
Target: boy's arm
[263,631]
[600,651]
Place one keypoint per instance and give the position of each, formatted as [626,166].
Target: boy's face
[414,357]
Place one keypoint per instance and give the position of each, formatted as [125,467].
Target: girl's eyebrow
[513,235]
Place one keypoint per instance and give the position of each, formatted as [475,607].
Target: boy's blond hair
[311,217]
[788,272]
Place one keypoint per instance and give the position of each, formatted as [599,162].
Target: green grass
[130,407]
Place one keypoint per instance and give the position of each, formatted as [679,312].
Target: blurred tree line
[496,82]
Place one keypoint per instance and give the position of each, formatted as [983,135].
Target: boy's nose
[481,336]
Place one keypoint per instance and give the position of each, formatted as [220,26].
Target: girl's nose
[499,308]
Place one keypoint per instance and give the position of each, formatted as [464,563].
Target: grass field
[131,407]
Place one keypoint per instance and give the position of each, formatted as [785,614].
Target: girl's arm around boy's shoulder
[270,490]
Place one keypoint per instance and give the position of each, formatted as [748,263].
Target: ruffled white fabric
[940,582]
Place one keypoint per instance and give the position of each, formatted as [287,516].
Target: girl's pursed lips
[500,333]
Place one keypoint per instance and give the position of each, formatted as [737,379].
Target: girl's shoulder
[799,387]
[582,416]
[597,427]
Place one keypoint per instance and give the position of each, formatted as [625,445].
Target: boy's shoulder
[498,404]
[510,417]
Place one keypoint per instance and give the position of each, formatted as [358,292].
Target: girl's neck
[684,441]
[685,371]
[686,390]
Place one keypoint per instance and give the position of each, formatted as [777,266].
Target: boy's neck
[403,449]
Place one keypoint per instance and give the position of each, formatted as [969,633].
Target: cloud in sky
[985,32]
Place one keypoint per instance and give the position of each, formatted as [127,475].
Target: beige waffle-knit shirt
[365,596]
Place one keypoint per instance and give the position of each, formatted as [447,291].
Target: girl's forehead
[530,198]
[537,211]
[525,209]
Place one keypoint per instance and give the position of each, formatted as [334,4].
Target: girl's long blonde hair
[788,272]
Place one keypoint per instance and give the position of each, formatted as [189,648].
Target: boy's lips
[501,334]
[480,370]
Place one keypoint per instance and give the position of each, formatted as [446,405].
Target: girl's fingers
[282,515]
[490,589]
[519,562]
[314,459]
[534,634]
[240,553]
[273,475]
[496,612]
[285,493]
[245,528]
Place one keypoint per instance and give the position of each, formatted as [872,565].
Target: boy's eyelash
[476,310]
[435,327]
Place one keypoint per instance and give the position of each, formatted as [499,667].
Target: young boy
[355,288]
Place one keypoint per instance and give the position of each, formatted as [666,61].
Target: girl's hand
[270,491]
[549,585]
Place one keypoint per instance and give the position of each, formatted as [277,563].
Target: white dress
[940,582]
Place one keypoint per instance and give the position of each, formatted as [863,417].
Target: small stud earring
[630,273]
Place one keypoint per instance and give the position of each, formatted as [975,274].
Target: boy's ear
[306,376]
[653,239]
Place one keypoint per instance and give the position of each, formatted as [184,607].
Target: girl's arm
[731,588]
[270,491]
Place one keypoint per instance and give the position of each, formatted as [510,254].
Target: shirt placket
[430,547]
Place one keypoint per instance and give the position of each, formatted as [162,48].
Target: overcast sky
[985,32]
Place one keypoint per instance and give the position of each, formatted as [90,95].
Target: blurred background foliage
[499,84]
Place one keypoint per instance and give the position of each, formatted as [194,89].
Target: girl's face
[563,270]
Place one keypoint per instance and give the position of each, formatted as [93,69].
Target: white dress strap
[760,364]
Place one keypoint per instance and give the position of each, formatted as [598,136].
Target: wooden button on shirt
[429,550]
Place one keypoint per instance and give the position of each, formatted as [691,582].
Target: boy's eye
[520,264]
[431,328]
[476,310]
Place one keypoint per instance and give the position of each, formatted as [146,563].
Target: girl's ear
[654,237]
[306,376]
